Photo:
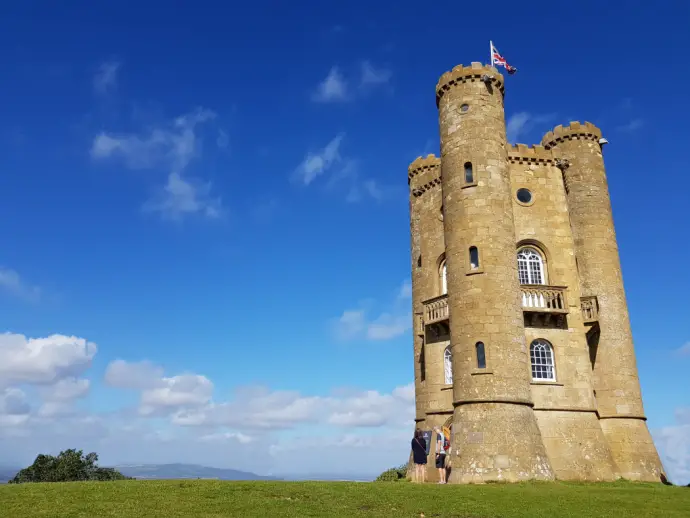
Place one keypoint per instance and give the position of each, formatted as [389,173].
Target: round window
[524,195]
[464,107]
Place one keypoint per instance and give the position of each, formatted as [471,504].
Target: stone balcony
[541,302]
[590,309]
[540,298]
[436,309]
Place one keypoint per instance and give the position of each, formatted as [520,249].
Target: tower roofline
[574,130]
[461,74]
[423,174]
[522,153]
[420,164]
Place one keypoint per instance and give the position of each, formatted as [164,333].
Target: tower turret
[615,378]
[424,179]
[496,436]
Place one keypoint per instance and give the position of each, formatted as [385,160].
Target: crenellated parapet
[573,131]
[423,174]
[523,154]
[462,74]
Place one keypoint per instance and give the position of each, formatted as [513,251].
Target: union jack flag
[497,59]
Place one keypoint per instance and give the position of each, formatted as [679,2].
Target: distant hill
[177,471]
[7,473]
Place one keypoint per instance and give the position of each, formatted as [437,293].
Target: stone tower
[521,332]
[615,380]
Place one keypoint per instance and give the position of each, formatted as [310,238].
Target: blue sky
[219,191]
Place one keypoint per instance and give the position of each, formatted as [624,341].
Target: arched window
[448,366]
[543,365]
[481,355]
[444,277]
[530,266]
[474,258]
[469,174]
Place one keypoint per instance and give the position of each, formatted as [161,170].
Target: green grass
[209,498]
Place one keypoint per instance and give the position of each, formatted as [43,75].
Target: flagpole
[491,52]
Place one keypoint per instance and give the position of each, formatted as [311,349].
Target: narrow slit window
[474,258]
[469,174]
[419,261]
[448,366]
[481,355]
[444,278]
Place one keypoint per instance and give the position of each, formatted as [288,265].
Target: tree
[393,475]
[68,466]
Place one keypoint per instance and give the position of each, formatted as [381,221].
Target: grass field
[208,498]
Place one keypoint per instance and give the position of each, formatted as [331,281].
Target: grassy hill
[210,498]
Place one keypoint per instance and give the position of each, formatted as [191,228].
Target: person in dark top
[419,455]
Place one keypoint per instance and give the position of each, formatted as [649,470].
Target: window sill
[478,372]
[552,383]
[448,386]
[473,184]
[474,272]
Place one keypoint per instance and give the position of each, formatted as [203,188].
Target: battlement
[574,130]
[423,174]
[521,153]
[462,74]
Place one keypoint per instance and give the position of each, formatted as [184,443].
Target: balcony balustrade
[436,309]
[590,309]
[543,299]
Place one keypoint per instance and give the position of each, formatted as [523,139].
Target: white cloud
[223,140]
[188,400]
[372,76]
[332,89]
[336,88]
[178,420]
[673,444]
[180,197]
[66,389]
[387,326]
[261,409]
[172,147]
[12,283]
[14,408]
[519,124]
[43,360]
[133,375]
[185,391]
[315,164]
[348,179]
[405,290]
[631,126]
[105,79]
[684,350]
[160,395]
[354,324]
[350,324]
[228,436]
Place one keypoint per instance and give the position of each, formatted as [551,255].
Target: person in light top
[441,447]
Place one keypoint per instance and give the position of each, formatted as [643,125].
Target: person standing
[440,451]
[419,455]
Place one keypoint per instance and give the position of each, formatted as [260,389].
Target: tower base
[576,446]
[497,442]
[633,449]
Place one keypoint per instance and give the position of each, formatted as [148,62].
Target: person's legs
[440,465]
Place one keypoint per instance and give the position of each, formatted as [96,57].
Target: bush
[393,474]
[68,466]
